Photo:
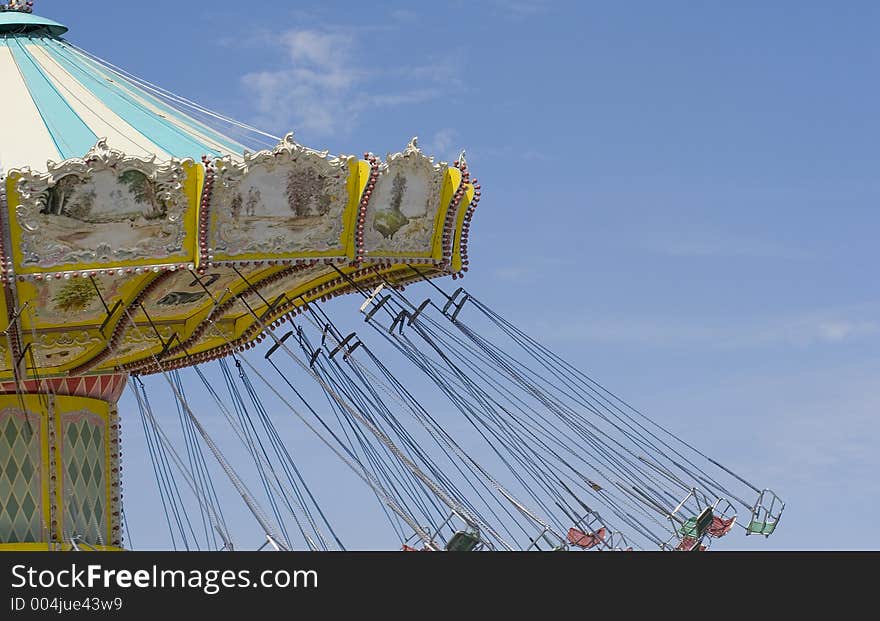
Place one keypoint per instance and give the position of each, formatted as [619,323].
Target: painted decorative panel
[291,285]
[74,301]
[288,202]
[106,208]
[403,208]
[60,348]
[181,294]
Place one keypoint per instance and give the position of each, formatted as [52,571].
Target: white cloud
[510,152]
[321,49]
[324,84]
[834,331]
[517,274]
[521,9]
[443,145]
[807,329]
[708,245]
[534,272]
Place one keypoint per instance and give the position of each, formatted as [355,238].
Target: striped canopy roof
[59,101]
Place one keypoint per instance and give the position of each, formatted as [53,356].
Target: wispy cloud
[531,273]
[324,83]
[798,330]
[444,144]
[818,426]
[521,9]
[708,245]
[511,152]
[403,15]
[517,274]
[808,432]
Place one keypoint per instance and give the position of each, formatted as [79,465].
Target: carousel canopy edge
[134,230]
[118,261]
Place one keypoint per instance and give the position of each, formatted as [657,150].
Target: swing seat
[463,541]
[689,528]
[765,514]
[586,540]
[761,528]
[720,526]
[689,544]
[696,527]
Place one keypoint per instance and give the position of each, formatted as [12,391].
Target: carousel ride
[146,238]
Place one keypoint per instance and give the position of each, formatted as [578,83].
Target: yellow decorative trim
[459,226]
[193,186]
[13,201]
[244,322]
[5,353]
[55,547]
[93,350]
[44,457]
[357,183]
[59,508]
[451,183]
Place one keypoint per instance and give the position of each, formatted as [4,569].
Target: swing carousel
[147,240]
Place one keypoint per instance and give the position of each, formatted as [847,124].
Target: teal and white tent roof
[59,101]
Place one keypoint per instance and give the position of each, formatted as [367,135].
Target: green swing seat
[696,527]
[761,528]
[463,541]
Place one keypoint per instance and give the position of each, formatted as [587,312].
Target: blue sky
[680,197]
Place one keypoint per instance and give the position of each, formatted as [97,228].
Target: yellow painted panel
[357,182]
[80,341]
[145,342]
[5,355]
[51,304]
[451,183]
[459,226]
[67,405]
[47,547]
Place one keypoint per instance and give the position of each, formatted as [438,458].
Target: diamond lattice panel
[84,492]
[20,479]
